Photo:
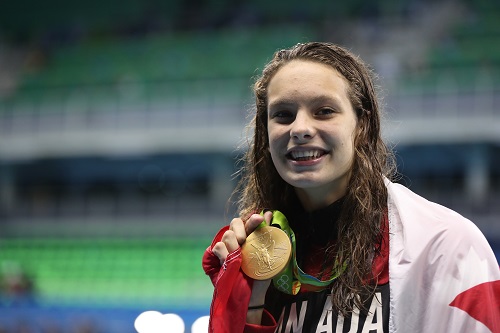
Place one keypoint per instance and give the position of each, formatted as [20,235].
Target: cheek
[274,139]
[347,142]
[351,144]
[274,151]
[276,147]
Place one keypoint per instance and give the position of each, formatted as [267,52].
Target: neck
[313,201]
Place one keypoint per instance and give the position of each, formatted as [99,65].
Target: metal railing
[197,108]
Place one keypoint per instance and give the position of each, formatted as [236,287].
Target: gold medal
[265,253]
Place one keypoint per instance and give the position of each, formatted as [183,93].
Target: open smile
[305,155]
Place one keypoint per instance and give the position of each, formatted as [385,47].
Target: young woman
[368,254]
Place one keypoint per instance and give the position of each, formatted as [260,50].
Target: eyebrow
[321,99]
[282,103]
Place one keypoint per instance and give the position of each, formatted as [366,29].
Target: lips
[305,155]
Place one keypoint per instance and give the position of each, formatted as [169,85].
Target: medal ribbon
[292,276]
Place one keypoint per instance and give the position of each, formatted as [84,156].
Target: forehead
[302,78]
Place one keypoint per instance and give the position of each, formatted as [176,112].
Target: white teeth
[305,154]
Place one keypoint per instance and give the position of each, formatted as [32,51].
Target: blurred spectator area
[92,109]
[121,124]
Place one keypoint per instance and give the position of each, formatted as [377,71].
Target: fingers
[220,250]
[229,239]
[228,244]
[268,216]
[238,227]
[237,234]
[252,223]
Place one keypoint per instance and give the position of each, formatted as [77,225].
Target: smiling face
[311,128]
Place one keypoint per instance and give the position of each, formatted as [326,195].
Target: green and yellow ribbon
[290,279]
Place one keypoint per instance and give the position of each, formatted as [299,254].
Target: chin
[299,182]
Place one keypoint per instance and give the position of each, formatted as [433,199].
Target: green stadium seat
[104,270]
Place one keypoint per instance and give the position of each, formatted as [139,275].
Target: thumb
[268,217]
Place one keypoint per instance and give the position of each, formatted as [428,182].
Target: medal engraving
[265,253]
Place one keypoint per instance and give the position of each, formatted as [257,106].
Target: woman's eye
[282,114]
[325,111]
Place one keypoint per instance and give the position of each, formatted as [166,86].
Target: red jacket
[232,290]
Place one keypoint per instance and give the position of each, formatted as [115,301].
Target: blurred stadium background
[121,123]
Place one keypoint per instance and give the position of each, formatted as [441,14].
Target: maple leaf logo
[481,300]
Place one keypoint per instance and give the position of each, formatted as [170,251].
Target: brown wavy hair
[365,203]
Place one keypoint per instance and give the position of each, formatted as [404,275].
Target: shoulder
[419,226]
[415,211]
[441,252]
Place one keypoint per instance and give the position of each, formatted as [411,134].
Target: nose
[302,128]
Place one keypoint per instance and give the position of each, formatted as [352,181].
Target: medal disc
[265,253]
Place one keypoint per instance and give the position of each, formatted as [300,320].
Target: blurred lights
[200,325]
[156,322]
